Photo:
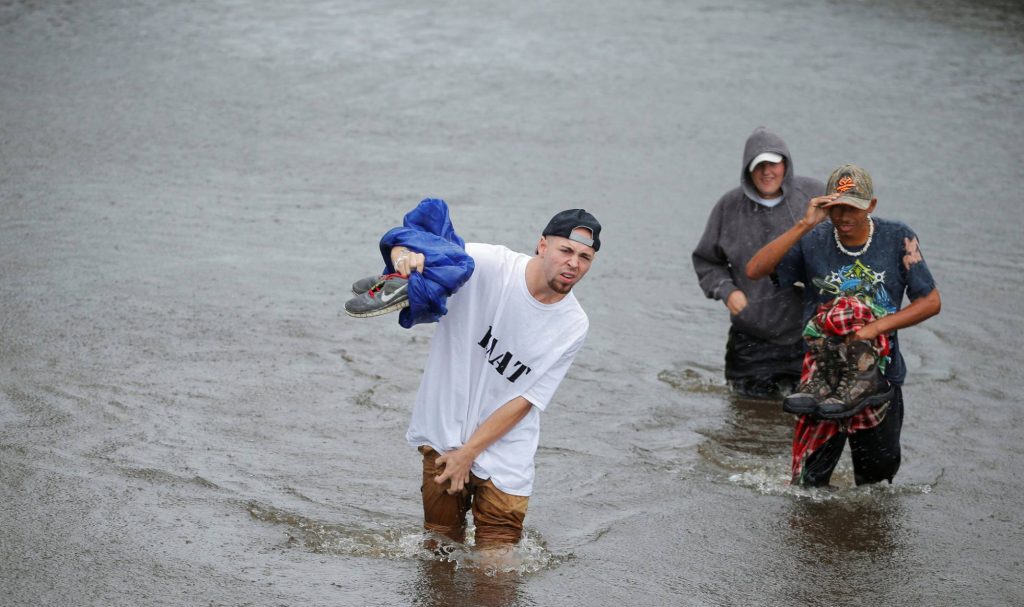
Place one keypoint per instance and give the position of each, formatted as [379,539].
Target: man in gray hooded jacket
[764,351]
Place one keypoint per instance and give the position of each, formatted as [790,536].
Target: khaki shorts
[498,516]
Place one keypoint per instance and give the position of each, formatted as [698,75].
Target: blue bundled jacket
[428,229]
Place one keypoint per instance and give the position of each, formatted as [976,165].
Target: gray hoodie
[737,228]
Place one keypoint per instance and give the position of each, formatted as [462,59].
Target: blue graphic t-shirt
[891,267]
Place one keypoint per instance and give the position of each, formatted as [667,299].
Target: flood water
[187,190]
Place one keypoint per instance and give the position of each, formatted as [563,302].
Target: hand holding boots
[857,382]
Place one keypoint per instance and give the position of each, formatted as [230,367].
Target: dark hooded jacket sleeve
[709,259]
[428,229]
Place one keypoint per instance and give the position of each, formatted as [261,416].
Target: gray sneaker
[390,293]
[365,284]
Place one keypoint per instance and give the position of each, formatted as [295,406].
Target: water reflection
[867,525]
[442,583]
[753,440]
[852,541]
[758,426]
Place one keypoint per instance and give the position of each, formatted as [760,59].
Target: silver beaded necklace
[871,233]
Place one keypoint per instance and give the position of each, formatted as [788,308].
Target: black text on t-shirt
[501,361]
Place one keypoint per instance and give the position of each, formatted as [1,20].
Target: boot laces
[379,285]
[850,371]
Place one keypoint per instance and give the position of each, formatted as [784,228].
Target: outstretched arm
[458,462]
[764,261]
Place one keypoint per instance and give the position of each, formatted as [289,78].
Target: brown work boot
[861,383]
[820,384]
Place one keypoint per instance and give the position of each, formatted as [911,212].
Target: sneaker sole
[398,305]
[870,401]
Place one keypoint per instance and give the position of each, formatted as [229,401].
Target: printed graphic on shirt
[911,252]
[501,361]
[860,281]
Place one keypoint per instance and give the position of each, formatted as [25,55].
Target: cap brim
[851,201]
[764,157]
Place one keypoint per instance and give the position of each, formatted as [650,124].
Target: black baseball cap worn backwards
[563,224]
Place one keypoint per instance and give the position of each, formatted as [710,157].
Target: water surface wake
[405,542]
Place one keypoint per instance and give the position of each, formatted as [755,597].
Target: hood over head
[760,141]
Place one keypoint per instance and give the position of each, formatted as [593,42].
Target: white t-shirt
[496,343]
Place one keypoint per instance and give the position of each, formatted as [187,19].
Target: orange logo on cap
[846,184]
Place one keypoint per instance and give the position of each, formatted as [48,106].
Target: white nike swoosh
[385,298]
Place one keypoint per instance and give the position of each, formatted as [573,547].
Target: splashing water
[408,542]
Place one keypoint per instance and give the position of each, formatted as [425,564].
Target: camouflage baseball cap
[854,184]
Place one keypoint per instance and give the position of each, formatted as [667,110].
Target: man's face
[565,262]
[850,221]
[767,178]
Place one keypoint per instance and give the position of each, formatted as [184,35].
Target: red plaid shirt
[841,316]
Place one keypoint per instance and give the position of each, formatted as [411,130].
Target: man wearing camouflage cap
[857,269]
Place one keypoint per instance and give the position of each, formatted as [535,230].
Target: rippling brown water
[188,189]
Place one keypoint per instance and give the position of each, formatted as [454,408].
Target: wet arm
[918,311]
[764,261]
[458,462]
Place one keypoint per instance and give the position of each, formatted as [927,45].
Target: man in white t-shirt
[495,361]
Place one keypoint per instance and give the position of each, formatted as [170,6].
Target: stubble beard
[559,287]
